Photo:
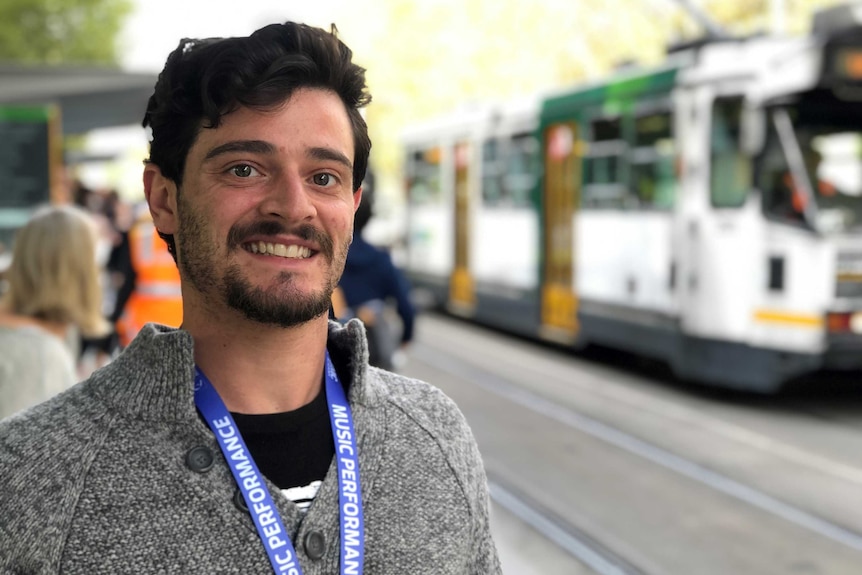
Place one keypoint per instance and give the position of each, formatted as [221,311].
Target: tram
[707,213]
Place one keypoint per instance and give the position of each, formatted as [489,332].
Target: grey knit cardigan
[97,480]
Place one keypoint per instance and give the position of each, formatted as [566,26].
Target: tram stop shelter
[88,97]
[73,100]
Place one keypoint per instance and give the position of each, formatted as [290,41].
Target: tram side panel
[612,278]
[720,231]
[474,251]
[505,256]
[623,250]
[430,226]
[504,243]
[624,267]
[677,274]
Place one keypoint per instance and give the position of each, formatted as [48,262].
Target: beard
[283,304]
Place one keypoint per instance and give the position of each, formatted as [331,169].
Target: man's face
[266,209]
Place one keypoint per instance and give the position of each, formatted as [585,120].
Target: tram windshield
[810,171]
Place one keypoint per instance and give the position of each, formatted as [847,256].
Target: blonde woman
[53,297]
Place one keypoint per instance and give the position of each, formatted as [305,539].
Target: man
[257,152]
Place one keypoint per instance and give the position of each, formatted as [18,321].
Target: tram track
[831,397]
[493,383]
[592,401]
[645,401]
[577,542]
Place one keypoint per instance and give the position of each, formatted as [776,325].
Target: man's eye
[243,171]
[323,179]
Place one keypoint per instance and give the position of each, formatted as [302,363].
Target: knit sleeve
[457,440]
[484,560]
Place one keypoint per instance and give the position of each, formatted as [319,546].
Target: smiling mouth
[278,250]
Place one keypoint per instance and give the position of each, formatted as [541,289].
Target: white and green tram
[708,213]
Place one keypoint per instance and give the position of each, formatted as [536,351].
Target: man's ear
[357,198]
[161,193]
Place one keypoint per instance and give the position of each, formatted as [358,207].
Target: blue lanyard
[273,535]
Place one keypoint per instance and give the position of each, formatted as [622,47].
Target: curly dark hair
[204,80]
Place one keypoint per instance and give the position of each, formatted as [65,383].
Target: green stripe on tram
[615,96]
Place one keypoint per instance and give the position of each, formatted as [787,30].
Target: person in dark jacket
[369,282]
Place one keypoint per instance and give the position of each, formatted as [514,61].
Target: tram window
[655,182]
[492,189]
[607,129]
[730,173]
[775,183]
[604,167]
[652,161]
[519,176]
[509,170]
[601,170]
[424,177]
[817,137]
[652,129]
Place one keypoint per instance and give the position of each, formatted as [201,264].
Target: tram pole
[713,28]
[778,16]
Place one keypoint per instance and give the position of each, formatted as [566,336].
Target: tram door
[561,195]
[462,297]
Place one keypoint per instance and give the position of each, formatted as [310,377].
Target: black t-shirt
[291,449]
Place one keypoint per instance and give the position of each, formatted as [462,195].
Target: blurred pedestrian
[256,438]
[154,293]
[369,285]
[112,244]
[53,297]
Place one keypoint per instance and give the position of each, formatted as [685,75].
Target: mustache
[238,234]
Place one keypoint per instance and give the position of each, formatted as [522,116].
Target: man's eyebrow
[251,146]
[329,154]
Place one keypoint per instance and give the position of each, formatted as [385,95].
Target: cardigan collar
[153,378]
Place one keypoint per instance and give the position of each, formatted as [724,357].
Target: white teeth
[279,250]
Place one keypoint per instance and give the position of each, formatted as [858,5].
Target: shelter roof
[88,97]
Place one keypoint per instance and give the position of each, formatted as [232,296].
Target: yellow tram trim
[462,292]
[560,308]
[849,277]
[795,319]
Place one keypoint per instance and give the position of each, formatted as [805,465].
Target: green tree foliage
[61,31]
[429,57]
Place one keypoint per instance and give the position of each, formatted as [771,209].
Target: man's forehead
[253,130]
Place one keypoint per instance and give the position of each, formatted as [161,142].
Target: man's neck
[257,368]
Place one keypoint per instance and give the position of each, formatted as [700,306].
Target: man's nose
[289,197]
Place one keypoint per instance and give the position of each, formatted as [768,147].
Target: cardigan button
[200,459]
[239,501]
[315,545]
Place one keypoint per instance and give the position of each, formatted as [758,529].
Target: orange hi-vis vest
[157,296]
